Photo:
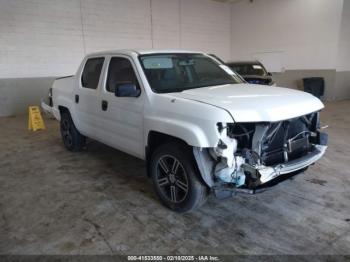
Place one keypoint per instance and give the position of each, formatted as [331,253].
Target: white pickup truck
[193,120]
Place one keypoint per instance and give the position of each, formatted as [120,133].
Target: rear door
[122,117]
[87,94]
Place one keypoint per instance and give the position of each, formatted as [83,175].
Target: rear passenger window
[91,73]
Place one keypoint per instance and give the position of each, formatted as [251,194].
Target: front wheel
[175,178]
[72,139]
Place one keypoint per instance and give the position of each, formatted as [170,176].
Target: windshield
[177,72]
[248,69]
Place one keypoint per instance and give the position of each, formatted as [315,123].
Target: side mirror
[127,90]
[269,74]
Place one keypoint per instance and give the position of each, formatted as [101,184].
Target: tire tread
[199,190]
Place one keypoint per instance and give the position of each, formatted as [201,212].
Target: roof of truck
[143,51]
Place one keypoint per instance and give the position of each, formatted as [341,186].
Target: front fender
[64,100]
[191,121]
[192,134]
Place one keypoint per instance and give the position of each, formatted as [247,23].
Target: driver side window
[120,72]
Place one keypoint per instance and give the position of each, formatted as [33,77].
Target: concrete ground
[100,202]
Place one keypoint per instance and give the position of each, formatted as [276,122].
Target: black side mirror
[127,90]
[269,74]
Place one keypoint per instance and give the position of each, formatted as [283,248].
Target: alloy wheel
[172,179]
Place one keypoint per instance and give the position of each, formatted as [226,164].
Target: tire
[72,139]
[175,178]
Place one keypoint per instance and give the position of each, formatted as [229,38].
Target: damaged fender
[220,161]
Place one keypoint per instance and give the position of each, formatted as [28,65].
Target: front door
[122,117]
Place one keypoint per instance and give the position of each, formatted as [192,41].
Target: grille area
[285,141]
[282,141]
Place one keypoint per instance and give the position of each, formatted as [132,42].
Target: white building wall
[34,33]
[116,24]
[206,26]
[343,62]
[40,38]
[305,32]
[342,85]
[166,23]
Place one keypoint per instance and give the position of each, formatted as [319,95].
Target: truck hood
[255,103]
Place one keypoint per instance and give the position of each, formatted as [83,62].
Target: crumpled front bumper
[258,178]
[263,174]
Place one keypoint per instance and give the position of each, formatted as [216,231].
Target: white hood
[255,103]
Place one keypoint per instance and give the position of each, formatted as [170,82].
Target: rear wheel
[72,139]
[175,178]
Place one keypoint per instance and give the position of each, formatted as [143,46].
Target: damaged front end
[249,155]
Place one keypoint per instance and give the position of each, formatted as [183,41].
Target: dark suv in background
[253,72]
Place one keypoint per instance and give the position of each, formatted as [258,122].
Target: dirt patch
[317,181]
[67,246]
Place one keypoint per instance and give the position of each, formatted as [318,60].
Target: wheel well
[63,109]
[155,139]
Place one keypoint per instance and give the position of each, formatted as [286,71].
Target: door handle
[77,99]
[104,105]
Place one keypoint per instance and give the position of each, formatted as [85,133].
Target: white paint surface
[191,115]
